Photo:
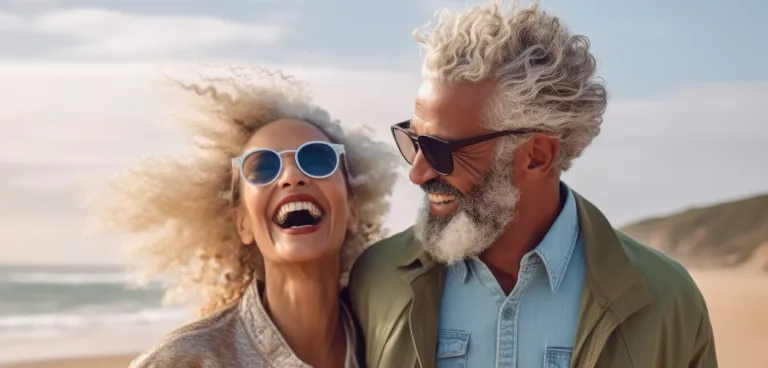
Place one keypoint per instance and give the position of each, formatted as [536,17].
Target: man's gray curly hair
[546,75]
[178,208]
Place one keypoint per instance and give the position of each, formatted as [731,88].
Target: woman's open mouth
[298,214]
[298,217]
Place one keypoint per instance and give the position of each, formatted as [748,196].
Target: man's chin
[450,241]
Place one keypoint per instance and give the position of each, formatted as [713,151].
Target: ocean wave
[64,278]
[63,321]
[67,278]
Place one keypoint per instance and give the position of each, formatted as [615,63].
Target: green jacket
[638,309]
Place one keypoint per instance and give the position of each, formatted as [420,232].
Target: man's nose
[421,171]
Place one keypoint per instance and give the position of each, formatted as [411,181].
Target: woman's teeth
[287,208]
[440,198]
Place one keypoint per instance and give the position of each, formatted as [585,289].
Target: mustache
[441,187]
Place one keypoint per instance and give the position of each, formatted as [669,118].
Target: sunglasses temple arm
[339,148]
[470,141]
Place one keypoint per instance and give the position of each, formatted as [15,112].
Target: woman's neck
[303,301]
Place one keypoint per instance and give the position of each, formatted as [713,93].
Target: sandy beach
[121,361]
[737,299]
[738,306]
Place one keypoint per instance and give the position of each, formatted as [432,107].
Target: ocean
[45,301]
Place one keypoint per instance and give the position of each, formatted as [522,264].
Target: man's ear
[243,224]
[542,153]
[353,215]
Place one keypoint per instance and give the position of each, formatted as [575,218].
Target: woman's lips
[302,229]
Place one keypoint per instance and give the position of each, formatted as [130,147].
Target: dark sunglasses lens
[261,167]
[405,144]
[317,160]
[437,153]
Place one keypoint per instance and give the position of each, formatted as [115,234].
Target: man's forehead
[455,107]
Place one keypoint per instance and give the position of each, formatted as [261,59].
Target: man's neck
[303,301]
[535,216]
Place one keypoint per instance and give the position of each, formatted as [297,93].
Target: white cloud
[10,20]
[116,33]
[118,1]
[65,126]
[101,32]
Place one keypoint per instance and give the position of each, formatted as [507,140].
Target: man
[507,266]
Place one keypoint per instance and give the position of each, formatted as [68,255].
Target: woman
[264,217]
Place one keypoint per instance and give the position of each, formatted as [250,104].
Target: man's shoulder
[676,302]
[380,264]
[379,293]
[377,275]
[388,253]
[666,278]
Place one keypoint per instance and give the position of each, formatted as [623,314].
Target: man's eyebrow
[412,132]
[410,123]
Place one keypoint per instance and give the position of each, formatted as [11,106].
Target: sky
[79,99]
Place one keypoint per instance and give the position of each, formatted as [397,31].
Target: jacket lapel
[425,276]
[614,288]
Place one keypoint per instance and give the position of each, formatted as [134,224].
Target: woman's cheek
[258,210]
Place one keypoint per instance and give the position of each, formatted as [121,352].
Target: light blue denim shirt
[535,325]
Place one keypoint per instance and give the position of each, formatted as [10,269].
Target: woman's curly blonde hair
[177,209]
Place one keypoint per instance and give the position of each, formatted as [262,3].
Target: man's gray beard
[482,217]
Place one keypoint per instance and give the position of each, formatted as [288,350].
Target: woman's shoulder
[204,343]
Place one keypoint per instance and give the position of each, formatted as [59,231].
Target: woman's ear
[352,215]
[243,224]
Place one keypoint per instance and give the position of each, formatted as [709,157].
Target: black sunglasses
[438,152]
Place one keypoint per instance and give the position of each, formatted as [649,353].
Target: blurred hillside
[728,234]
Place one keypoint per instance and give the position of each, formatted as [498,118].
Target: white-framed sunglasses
[316,159]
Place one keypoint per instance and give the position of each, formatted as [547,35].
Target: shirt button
[507,312]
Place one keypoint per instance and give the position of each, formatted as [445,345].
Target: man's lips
[440,198]
[442,204]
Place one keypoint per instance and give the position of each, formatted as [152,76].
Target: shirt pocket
[557,357]
[452,348]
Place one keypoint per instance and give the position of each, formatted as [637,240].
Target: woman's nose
[291,175]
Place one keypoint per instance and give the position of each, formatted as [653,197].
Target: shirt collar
[554,250]
[461,269]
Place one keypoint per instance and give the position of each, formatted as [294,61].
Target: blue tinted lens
[261,167]
[318,160]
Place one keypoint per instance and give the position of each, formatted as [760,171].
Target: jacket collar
[610,272]
[412,251]
[614,286]
[425,276]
